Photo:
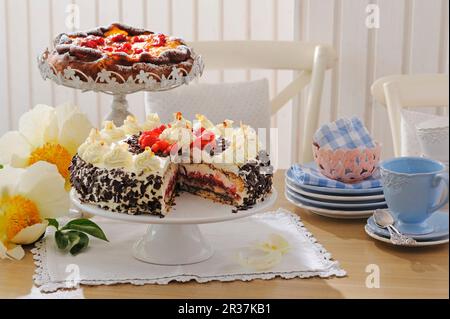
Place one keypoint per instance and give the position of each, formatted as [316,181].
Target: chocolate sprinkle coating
[258,179]
[98,185]
[135,195]
[133,144]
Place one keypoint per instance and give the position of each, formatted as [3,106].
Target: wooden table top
[404,272]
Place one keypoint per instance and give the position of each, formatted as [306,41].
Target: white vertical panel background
[89,101]
[283,120]
[389,41]
[321,30]
[5,105]
[352,56]
[236,26]
[425,38]
[41,91]
[412,38]
[209,28]
[58,19]
[17,52]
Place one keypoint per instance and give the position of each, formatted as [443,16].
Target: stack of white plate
[334,202]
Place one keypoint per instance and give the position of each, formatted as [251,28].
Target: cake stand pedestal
[115,84]
[119,109]
[177,239]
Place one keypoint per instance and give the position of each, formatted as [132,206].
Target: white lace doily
[112,263]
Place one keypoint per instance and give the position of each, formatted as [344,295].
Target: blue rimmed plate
[330,190]
[331,213]
[338,206]
[334,198]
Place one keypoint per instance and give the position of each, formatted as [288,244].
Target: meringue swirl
[131,126]
[152,121]
[146,161]
[93,152]
[118,157]
[112,133]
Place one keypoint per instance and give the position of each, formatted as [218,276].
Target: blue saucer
[438,220]
[330,190]
[335,206]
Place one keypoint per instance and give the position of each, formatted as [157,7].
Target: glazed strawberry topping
[160,146]
[199,131]
[204,138]
[124,47]
[151,139]
[92,42]
[119,41]
[159,129]
[136,39]
[159,40]
[118,38]
[147,139]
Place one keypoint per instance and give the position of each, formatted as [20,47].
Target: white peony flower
[27,197]
[45,134]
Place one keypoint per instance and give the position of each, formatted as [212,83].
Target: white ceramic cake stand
[116,85]
[176,239]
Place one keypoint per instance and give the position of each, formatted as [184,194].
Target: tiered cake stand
[176,239]
[116,85]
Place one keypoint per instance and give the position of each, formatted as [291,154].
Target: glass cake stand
[176,239]
[116,85]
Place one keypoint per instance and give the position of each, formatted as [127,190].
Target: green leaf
[53,222]
[87,226]
[1,166]
[78,240]
[62,240]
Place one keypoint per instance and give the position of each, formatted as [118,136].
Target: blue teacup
[413,188]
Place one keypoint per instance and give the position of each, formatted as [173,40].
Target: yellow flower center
[18,213]
[54,154]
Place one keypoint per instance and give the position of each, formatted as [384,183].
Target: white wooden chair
[311,60]
[406,91]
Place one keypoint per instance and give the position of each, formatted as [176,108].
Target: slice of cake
[138,168]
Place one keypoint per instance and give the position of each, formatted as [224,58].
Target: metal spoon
[385,220]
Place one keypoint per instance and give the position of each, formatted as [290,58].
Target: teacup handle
[443,177]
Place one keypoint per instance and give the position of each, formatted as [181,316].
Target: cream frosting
[118,156]
[152,121]
[203,121]
[93,152]
[131,125]
[179,131]
[224,127]
[147,161]
[180,121]
[111,133]
[107,148]
[180,135]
